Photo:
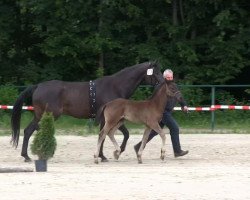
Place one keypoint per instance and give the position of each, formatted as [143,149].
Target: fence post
[212,103]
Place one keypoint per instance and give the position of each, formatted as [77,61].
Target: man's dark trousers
[170,122]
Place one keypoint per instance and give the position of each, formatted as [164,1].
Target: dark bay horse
[72,98]
[148,112]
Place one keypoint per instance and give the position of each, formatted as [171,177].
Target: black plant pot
[41,165]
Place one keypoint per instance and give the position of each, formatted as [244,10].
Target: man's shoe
[181,153]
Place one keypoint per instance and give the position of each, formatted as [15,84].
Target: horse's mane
[131,68]
[156,89]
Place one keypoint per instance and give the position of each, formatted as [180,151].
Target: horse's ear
[153,63]
[156,64]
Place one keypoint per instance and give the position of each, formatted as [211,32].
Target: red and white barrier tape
[6,107]
[213,107]
[216,107]
[195,108]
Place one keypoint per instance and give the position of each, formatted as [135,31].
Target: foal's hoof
[139,161]
[162,155]
[95,160]
[116,154]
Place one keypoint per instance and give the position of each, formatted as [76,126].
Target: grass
[233,121]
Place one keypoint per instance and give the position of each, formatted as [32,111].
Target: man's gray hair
[167,71]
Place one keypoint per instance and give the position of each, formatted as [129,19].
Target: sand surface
[217,167]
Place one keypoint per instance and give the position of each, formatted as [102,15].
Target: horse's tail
[16,113]
[99,119]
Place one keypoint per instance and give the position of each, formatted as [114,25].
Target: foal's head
[172,90]
[153,75]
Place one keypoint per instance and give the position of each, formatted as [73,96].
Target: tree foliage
[204,42]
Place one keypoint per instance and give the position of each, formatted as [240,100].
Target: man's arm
[183,103]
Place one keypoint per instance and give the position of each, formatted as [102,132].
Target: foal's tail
[99,119]
[16,113]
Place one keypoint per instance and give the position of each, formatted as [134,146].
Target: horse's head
[153,74]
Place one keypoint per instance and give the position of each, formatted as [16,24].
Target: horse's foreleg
[125,133]
[143,143]
[28,131]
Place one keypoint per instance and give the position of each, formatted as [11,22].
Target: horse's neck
[160,98]
[129,80]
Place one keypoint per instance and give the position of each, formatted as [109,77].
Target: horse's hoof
[116,154]
[27,160]
[104,160]
[139,161]
[122,149]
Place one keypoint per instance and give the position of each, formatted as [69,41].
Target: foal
[148,112]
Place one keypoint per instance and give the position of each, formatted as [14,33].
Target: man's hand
[185,109]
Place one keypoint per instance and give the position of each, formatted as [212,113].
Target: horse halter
[150,72]
[177,92]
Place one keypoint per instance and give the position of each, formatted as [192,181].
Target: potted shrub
[44,142]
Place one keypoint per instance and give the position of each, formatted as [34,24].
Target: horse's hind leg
[101,138]
[144,141]
[28,131]
[125,132]
[103,158]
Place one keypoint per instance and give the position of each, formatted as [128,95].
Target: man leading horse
[169,121]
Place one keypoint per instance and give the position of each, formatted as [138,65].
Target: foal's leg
[117,152]
[144,141]
[103,158]
[125,132]
[101,138]
[28,131]
[159,130]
